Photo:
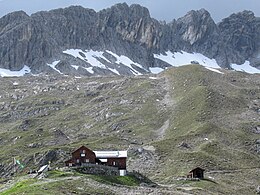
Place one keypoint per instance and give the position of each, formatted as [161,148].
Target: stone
[184,145]
[258,190]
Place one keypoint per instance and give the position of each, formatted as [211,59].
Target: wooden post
[14,163]
[34,160]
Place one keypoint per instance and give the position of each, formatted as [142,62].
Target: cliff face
[199,32]
[123,30]
[241,34]
[15,35]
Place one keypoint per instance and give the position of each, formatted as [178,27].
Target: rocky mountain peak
[12,20]
[15,16]
[240,32]
[42,38]
[196,25]
[139,11]
[121,12]
[132,23]
[245,15]
[201,13]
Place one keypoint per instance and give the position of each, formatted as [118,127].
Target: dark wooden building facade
[112,158]
[117,162]
[196,173]
[82,156]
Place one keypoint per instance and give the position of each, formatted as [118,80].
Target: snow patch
[74,53]
[183,58]
[53,64]
[19,73]
[135,72]
[153,78]
[89,56]
[156,70]
[76,67]
[15,83]
[245,68]
[175,59]
[214,70]
[90,70]
[114,71]
[126,61]
[92,57]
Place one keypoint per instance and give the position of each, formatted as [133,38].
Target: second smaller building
[196,173]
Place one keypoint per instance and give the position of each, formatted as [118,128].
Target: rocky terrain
[170,123]
[44,40]
[87,81]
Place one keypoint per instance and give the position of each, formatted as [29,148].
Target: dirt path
[168,103]
[168,100]
[161,131]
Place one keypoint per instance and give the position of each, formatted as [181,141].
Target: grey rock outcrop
[240,35]
[125,30]
[199,33]
[15,33]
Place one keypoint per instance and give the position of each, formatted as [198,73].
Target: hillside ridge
[170,123]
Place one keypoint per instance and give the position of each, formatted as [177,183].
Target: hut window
[87,160]
[83,153]
[77,160]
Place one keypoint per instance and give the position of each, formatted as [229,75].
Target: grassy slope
[207,104]
[118,112]
[66,186]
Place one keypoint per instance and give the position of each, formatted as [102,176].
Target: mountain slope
[128,31]
[183,118]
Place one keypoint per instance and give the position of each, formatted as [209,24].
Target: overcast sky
[159,9]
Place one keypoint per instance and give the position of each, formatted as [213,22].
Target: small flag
[19,163]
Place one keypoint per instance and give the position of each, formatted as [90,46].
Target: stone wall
[98,170]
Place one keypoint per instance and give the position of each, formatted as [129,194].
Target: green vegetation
[59,182]
[112,180]
[186,117]
[20,187]
[57,173]
[55,187]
